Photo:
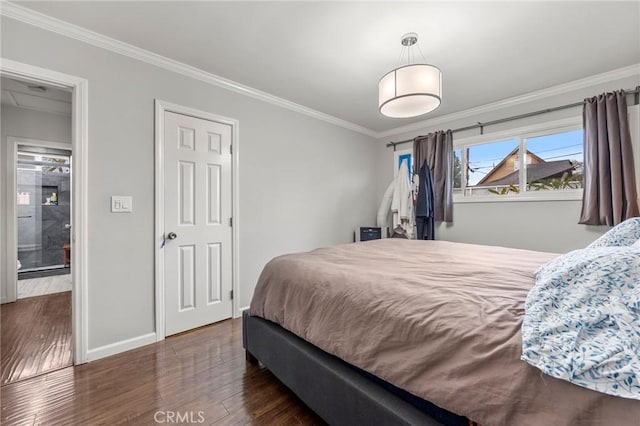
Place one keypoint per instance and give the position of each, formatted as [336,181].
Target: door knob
[172,236]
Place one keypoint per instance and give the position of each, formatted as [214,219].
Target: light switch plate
[121,204]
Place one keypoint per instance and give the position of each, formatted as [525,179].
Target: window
[526,163]
[540,161]
[559,161]
[47,163]
[492,168]
[457,170]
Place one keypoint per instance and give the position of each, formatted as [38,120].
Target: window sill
[575,195]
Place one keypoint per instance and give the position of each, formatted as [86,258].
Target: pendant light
[412,89]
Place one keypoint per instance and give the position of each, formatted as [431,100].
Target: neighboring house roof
[535,172]
[487,178]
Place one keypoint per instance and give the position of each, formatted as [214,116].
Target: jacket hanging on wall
[425,205]
[402,204]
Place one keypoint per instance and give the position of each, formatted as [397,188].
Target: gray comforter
[438,319]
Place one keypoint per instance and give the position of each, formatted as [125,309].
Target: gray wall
[546,225]
[28,124]
[303,183]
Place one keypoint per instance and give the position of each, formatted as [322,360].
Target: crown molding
[49,23]
[630,71]
[46,22]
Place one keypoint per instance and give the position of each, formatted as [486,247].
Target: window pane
[555,161]
[493,168]
[457,169]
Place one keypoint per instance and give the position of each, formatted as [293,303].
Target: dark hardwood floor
[202,375]
[35,336]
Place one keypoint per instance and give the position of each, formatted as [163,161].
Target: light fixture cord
[421,54]
[411,54]
[400,58]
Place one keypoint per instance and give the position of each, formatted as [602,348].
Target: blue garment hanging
[425,205]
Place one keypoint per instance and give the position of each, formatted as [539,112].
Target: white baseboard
[3,300]
[246,308]
[122,346]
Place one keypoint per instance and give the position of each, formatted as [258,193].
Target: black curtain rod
[481,126]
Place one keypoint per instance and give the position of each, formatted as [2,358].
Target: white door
[197,228]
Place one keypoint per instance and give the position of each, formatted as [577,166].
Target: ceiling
[35,96]
[329,56]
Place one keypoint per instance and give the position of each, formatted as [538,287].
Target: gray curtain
[436,149]
[609,177]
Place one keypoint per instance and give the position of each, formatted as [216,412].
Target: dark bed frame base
[335,390]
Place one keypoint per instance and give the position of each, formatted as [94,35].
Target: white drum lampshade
[410,91]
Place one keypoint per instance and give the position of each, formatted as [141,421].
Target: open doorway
[43,206]
[36,326]
[78,89]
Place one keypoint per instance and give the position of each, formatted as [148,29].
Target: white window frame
[522,134]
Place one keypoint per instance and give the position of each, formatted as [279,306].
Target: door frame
[79,214]
[160,108]
[12,212]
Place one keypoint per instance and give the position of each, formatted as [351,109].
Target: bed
[413,332]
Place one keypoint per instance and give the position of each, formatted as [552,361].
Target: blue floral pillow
[582,319]
[624,234]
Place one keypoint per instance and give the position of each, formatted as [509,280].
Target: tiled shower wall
[41,228]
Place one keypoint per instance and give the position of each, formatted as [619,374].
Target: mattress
[440,320]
